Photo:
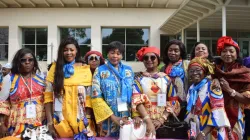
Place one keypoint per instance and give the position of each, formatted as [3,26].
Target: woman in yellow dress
[65,93]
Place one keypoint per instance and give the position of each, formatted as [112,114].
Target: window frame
[35,44]
[125,44]
[5,44]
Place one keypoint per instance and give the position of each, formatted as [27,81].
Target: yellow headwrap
[204,63]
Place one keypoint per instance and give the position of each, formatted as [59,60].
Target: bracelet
[146,117]
[232,94]
[88,116]
[203,134]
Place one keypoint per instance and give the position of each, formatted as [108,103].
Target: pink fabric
[110,138]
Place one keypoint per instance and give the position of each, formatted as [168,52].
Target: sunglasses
[147,57]
[23,60]
[92,58]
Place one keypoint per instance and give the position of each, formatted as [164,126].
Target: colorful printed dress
[105,93]
[19,98]
[145,91]
[209,111]
[69,116]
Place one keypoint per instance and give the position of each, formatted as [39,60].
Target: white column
[15,38]
[53,43]
[154,36]
[224,20]
[96,38]
[198,31]
[182,36]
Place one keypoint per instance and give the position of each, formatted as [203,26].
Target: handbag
[128,132]
[173,128]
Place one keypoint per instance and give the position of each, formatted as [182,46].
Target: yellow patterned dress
[68,121]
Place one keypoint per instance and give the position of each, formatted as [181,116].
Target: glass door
[244,48]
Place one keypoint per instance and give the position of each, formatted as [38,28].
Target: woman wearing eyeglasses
[154,97]
[65,93]
[205,108]
[112,91]
[24,106]
[94,59]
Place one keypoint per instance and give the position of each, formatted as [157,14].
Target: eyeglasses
[23,60]
[92,58]
[146,57]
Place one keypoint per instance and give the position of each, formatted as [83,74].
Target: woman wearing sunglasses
[154,97]
[112,91]
[25,105]
[65,93]
[94,59]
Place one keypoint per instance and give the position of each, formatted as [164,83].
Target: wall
[54,18]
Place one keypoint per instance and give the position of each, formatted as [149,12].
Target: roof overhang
[192,11]
[170,4]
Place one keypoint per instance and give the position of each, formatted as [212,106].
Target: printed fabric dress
[209,111]
[106,89]
[19,98]
[69,114]
[145,91]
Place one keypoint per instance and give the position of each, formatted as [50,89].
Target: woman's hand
[137,122]
[150,130]
[4,130]
[216,84]
[200,137]
[157,124]
[225,86]
[117,120]
[52,130]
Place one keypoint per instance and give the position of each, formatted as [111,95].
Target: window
[82,35]
[132,38]
[4,43]
[36,40]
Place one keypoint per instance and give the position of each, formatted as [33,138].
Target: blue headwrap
[68,69]
[193,94]
[126,93]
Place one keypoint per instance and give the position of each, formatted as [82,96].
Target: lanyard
[30,89]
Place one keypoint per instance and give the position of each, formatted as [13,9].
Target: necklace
[26,84]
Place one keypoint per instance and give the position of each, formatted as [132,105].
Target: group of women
[84,101]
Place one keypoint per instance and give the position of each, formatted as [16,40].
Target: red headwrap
[94,52]
[226,41]
[145,50]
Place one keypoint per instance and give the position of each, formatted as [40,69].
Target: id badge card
[58,104]
[30,111]
[122,106]
[161,100]
[193,129]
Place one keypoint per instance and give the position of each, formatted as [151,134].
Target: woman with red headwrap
[234,80]
[154,97]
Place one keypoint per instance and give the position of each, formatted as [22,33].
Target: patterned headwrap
[205,64]
[145,50]
[226,41]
